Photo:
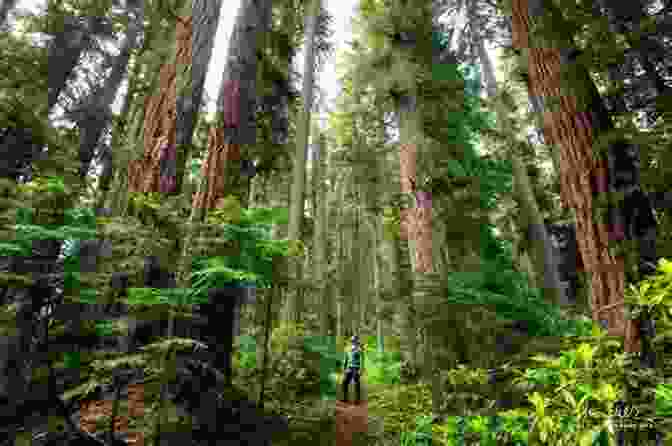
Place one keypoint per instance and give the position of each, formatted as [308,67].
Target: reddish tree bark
[156,171]
[236,106]
[581,176]
[231,103]
[220,154]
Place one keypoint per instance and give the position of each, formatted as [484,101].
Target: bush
[384,368]
[294,370]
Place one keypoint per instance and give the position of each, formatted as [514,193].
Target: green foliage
[294,365]
[421,436]
[149,208]
[391,222]
[664,400]
[24,71]
[588,376]
[382,368]
[652,295]
[228,211]
[499,285]
[257,251]
[247,352]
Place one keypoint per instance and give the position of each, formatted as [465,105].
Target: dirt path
[350,418]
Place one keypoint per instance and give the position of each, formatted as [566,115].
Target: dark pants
[351,374]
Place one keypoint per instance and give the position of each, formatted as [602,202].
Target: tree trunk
[376,234]
[541,249]
[205,21]
[418,216]
[545,266]
[393,285]
[235,108]
[406,299]
[98,113]
[339,320]
[574,130]
[124,141]
[360,266]
[64,51]
[320,232]
[220,173]
[270,297]
[159,124]
[299,168]
[111,170]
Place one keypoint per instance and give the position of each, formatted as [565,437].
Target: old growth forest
[498,233]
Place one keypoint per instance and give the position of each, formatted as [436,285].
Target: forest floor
[350,418]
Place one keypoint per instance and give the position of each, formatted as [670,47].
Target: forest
[496,234]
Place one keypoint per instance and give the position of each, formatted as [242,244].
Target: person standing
[353,365]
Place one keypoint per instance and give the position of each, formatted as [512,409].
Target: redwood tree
[574,125]
[235,107]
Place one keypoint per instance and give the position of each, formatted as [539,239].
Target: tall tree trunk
[299,166]
[64,52]
[545,267]
[417,217]
[406,299]
[158,170]
[97,114]
[360,265]
[320,232]
[390,243]
[574,131]
[220,173]
[268,320]
[155,171]
[235,108]
[341,289]
[376,236]
[236,104]
[107,157]
[339,319]
[193,68]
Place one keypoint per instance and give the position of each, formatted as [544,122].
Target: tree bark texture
[581,176]
[204,22]
[418,218]
[235,107]
[64,51]
[155,171]
[320,237]
[298,190]
[303,127]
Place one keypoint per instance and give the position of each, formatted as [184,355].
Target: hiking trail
[350,418]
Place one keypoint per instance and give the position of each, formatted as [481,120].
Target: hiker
[353,364]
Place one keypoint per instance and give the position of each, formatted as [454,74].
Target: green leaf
[569,398]
[539,403]
[663,400]
[81,390]
[72,360]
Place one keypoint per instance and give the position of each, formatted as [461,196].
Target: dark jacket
[354,359]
